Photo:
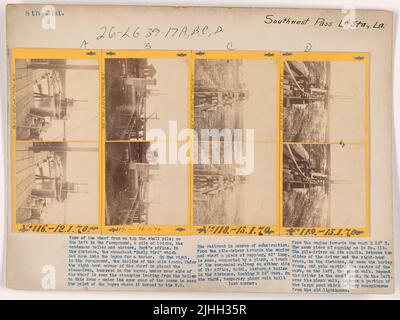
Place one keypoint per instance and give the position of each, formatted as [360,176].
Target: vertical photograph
[56,183]
[324,185]
[141,191]
[222,195]
[236,94]
[144,94]
[57,99]
[324,101]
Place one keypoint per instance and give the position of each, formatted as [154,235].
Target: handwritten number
[111,33]
[136,33]
[184,32]
[102,35]
[149,32]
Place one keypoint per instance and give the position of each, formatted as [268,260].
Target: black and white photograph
[236,94]
[200,151]
[144,94]
[324,185]
[324,101]
[140,191]
[57,183]
[222,196]
[57,99]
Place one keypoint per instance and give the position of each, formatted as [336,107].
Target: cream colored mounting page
[218,149]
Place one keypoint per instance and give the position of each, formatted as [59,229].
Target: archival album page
[199,149]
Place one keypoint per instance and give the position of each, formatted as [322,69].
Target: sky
[81,208]
[348,192]
[260,109]
[171,103]
[347,102]
[83,123]
[169,193]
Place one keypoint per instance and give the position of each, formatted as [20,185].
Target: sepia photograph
[57,99]
[57,183]
[144,94]
[324,101]
[222,196]
[236,94]
[140,191]
[324,185]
